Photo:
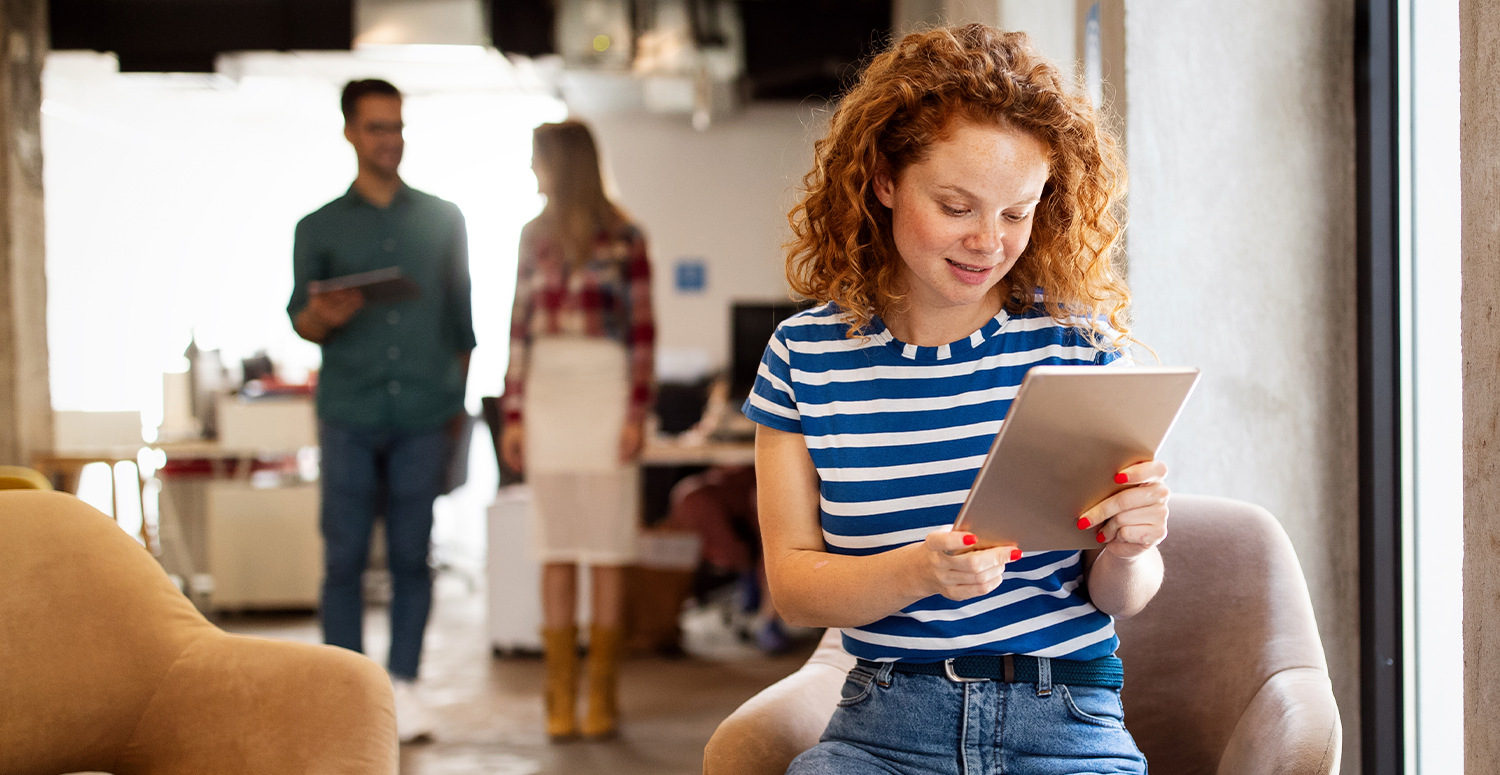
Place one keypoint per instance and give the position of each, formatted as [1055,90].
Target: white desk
[240,545]
[670,452]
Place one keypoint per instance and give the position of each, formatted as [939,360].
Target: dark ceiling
[793,48]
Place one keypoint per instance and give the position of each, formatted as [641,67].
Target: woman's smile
[969,273]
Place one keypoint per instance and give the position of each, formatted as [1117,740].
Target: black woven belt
[1107,672]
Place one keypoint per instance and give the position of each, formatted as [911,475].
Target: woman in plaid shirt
[577,391]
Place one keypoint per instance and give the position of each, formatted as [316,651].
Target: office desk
[662,451]
[241,526]
[63,468]
[234,541]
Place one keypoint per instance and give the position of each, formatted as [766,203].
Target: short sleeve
[773,401]
[307,265]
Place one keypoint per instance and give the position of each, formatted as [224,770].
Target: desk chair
[109,668]
[1224,670]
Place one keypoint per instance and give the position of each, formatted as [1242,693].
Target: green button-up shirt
[392,366]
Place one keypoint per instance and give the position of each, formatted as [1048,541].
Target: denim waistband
[1106,672]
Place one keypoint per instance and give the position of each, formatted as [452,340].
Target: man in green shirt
[391,389]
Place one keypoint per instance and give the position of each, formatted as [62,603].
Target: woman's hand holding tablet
[1132,521]
[1070,429]
[960,568]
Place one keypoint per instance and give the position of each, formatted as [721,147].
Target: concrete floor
[488,710]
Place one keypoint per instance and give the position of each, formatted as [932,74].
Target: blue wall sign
[691,275]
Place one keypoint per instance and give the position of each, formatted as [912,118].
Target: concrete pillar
[1479,69]
[1242,262]
[25,399]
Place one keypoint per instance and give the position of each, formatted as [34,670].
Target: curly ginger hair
[905,100]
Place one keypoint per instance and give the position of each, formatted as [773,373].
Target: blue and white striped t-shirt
[898,433]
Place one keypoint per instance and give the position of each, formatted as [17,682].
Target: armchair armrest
[240,704]
[1292,725]
[765,734]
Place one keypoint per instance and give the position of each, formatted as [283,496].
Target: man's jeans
[928,725]
[369,472]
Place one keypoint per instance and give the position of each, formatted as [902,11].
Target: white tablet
[1069,430]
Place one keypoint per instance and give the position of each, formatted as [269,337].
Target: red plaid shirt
[608,296]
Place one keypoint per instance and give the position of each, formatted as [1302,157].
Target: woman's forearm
[1122,587]
[810,586]
[818,589]
[813,587]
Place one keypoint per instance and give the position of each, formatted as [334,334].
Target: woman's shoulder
[1065,323]
[621,227]
[1036,327]
[533,230]
[817,340]
[823,322]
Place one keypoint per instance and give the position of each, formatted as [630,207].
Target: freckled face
[962,215]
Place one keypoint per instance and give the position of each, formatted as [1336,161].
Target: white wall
[1052,25]
[721,195]
[1242,255]
[172,202]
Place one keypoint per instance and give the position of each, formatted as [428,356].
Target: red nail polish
[1084,523]
[1099,536]
[1121,478]
[970,540]
[1015,554]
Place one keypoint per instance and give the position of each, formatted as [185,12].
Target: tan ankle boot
[602,717]
[560,648]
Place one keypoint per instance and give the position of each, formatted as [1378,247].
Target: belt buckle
[955,677]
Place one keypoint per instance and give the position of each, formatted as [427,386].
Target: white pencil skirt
[587,504]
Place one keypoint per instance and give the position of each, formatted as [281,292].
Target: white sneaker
[413,722]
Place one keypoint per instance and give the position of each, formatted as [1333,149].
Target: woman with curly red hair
[958,228]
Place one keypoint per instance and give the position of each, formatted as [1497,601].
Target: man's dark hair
[354,90]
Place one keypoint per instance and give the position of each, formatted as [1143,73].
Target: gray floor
[489,710]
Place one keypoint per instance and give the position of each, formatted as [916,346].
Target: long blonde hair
[906,98]
[577,207]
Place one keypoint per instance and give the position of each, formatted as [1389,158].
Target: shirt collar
[402,195]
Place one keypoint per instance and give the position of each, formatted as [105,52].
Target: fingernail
[1084,523]
[1121,478]
[970,540]
[1099,536]
[1015,554]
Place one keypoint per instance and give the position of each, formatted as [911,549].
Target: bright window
[171,202]
[1435,372]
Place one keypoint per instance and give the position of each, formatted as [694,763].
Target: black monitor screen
[750,328]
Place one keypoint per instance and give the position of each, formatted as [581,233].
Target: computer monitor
[750,328]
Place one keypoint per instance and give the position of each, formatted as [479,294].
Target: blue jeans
[900,722]
[366,472]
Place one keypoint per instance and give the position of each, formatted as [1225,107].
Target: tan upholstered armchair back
[109,668]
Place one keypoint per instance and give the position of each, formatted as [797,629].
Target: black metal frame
[1381,659]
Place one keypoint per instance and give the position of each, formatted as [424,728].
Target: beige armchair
[109,668]
[1224,671]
